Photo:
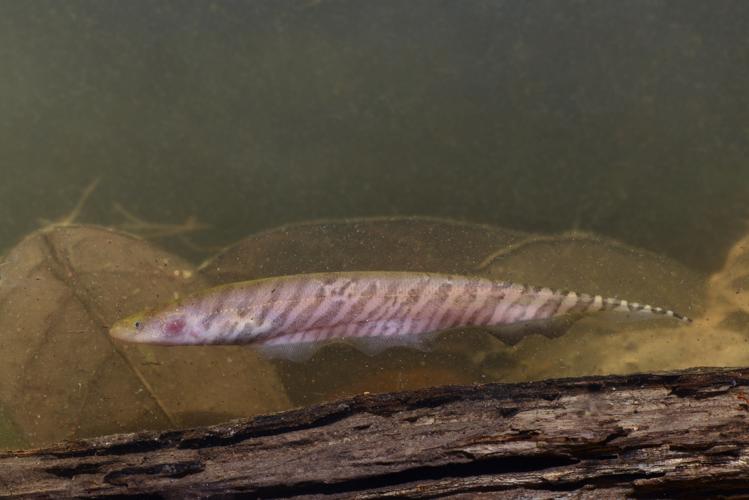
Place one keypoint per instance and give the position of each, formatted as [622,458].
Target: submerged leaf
[377,244]
[593,264]
[61,376]
[10,435]
[581,262]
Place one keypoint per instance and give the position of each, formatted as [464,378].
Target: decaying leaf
[574,261]
[61,376]
[385,244]
[589,263]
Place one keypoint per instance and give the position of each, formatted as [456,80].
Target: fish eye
[138,325]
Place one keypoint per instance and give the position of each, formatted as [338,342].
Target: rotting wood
[647,435]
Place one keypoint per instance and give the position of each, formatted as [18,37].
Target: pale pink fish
[286,316]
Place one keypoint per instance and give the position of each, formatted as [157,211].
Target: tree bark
[649,435]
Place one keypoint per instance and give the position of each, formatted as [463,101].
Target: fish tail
[620,305]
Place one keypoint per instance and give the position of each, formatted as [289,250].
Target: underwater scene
[162,151]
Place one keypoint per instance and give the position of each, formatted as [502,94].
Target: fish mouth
[122,331]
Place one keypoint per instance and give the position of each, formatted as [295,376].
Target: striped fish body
[312,308]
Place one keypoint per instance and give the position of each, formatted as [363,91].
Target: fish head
[153,327]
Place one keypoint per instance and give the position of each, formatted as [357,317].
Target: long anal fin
[550,327]
[296,352]
[374,345]
[290,348]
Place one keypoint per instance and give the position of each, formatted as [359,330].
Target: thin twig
[147,229]
[73,215]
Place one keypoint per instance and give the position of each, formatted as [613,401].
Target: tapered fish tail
[599,303]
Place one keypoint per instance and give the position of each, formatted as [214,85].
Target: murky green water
[208,122]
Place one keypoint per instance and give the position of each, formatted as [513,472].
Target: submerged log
[649,435]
